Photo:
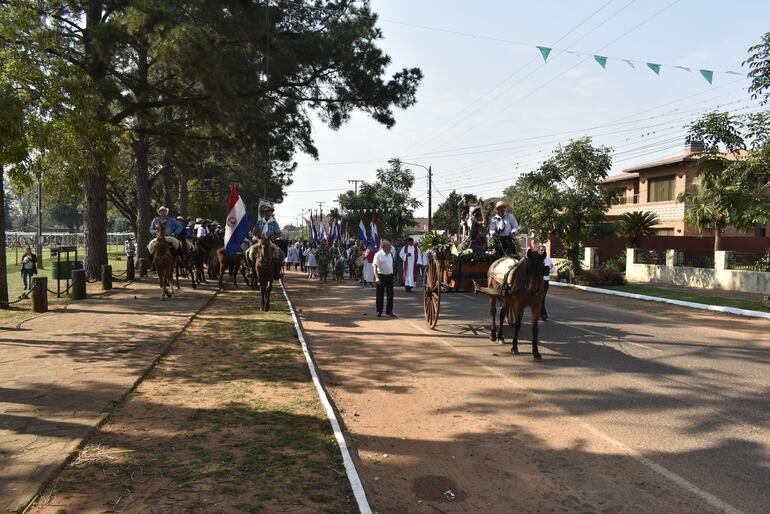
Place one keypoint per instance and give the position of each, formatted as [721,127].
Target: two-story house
[654,187]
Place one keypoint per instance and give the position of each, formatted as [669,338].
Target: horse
[231,264]
[266,265]
[200,255]
[524,289]
[185,262]
[164,261]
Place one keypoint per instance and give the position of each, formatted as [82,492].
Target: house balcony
[665,210]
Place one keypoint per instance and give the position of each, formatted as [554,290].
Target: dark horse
[524,289]
[164,261]
[185,261]
[200,256]
[267,268]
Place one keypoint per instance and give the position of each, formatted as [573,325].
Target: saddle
[504,271]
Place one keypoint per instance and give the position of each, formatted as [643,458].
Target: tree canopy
[132,100]
[447,214]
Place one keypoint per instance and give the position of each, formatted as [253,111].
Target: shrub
[617,264]
[600,277]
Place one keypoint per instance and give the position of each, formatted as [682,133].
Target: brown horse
[231,264]
[164,261]
[185,262]
[267,267]
[525,290]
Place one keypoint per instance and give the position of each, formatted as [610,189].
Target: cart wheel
[432,293]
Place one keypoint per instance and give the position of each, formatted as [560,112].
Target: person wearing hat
[172,230]
[502,228]
[203,229]
[268,228]
[548,268]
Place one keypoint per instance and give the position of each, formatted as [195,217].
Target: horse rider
[503,228]
[172,230]
[267,228]
[203,229]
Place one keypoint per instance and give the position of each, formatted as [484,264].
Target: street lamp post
[429,169]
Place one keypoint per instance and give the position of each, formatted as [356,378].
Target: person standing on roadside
[383,275]
[28,268]
[548,268]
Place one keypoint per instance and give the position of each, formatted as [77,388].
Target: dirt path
[62,371]
[228,421]
[618,417]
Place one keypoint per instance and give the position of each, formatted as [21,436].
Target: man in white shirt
[502,228]
[547,270]
[203,229]
[383,276]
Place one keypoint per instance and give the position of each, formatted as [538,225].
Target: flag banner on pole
[654,67]
[237,225]
[375,233]
[602,60]
[708,75]
[544,51]
[362,232]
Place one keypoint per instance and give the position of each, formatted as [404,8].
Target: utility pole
[430,204]
[355,185]
[39,246]
[321,207]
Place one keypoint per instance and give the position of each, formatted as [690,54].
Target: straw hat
[162,208]
[501,203]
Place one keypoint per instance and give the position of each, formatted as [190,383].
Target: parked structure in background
[654,186]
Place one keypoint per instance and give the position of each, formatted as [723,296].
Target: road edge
[347,459]
[692,305]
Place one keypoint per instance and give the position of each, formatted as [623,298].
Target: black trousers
[385,287]
[504,246]
[544,312]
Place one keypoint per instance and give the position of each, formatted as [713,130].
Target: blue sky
[489,110]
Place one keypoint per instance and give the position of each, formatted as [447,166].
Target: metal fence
[53,239]
[650,257]
[748,261]
[695,259]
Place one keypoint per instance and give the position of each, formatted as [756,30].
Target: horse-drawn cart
[447,271]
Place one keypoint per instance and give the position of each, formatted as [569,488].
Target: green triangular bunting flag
[708,75]
[654,67]
[601,60]
[545,52]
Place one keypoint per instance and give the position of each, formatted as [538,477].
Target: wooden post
[78,287]
[39,294]
[130,273]
[106,277]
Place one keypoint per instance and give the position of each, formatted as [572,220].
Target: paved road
[61,371]
[637,407]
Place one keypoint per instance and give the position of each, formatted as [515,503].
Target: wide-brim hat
[501,203]
[198,220]
[162,208]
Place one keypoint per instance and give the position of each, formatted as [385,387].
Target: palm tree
[637,224]
[730,197]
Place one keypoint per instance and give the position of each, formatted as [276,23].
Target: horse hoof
[500,340]
[537,357]
[493,336]
[514,350]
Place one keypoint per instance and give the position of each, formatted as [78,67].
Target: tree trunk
[96,220]
[3,265]
[717,237]
[183,196]
[143,194]
[167,174]
[573,253]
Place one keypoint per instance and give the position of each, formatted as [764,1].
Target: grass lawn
[22,309]
[692,297]
[228,421]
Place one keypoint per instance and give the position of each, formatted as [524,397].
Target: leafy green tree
[636,225]
[728,189]
[447,215]
[390,197]
[564,197]
[759,69]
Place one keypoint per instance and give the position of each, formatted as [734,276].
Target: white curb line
[350,467]
[681,303]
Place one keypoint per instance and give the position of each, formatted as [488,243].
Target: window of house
[664,232]
[661,189]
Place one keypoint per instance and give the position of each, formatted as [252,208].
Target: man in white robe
[410,255]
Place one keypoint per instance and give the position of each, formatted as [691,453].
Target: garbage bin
[61,270]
